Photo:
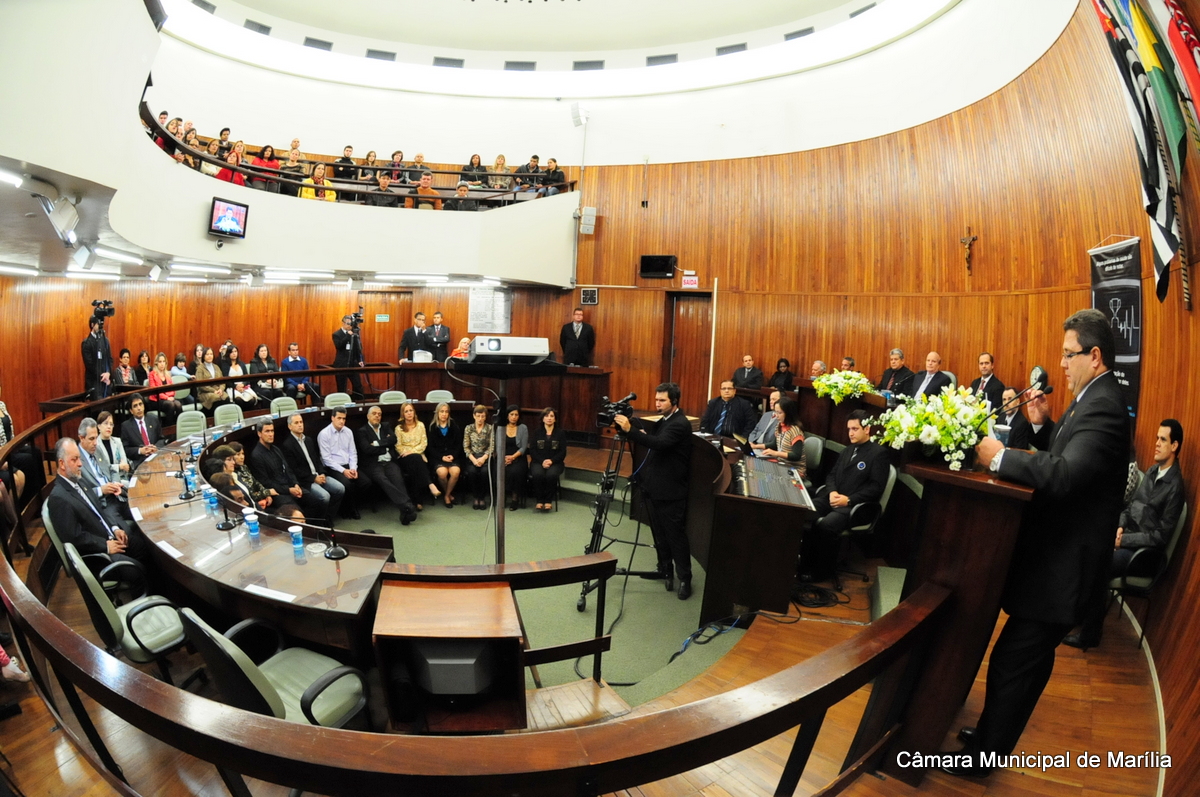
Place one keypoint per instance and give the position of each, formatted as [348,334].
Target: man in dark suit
[858,477]
[1064,548]
[437,337]
[140,434]
[663,478]
[377,463]
[748,376]
[347,347]
[270,467]
[415,338]
[96,478]
[728,414]
[303,455]
[897,378]
[78,519]
[577,340]
[987,383]
[1011,416]
[97,361]
[931,382]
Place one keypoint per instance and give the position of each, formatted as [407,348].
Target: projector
[485,349]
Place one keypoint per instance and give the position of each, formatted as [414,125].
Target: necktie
[721,420]
[891,381]
[88,500]
[578,329]
[145,437]
[307,458]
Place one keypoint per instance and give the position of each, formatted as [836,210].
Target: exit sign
[692,281]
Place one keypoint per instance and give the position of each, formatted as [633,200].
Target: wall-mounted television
[228,218]
[658,266]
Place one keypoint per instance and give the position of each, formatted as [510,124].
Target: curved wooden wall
[847,250]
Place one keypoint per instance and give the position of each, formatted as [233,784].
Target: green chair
[283,405]
[294,684]
[228,414]
[863,518]
[1153,559]
[337,400]
[110,583]
[144,630]
[439,395]
[393,397]
[183,394]
[190,422]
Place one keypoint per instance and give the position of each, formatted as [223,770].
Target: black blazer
[132,438]
[271,469]
[902,385]
[75,522]
[543,447]
[1021,430]
[741,417]
[860,474]
[371,448]
[97,359]
[577,351]
[1066,539]
[346,357]
[663,475]
[438,445]
[782,381]
[940,380]
[752,380]
[994,392]
[295,457]
[438,342]
[414,342]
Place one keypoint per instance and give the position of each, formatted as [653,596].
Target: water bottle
[189,476]
[251,522]
[210,501]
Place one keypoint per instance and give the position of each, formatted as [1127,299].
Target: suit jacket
[1149,519]
[994,392]
[861,473]
[371,448]
[347,349]
[764,430]
[664,473]
[132,438]
[939,380]
[739,420]
[1064,548]
[577,351]
[414,341]
[75,522]
[110,506]
[295,458]
[97,359]
[271,468]
[439,342]
[752,380]
[1020,430]
[903,380]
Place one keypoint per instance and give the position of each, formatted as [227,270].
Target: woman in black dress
[444,449]
[781,380]
[516,464]
[547,453]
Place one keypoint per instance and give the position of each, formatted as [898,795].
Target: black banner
[1117,292]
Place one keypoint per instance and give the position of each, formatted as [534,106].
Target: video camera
[356,318]
[101,309]
[609,410]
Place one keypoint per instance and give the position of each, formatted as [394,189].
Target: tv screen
[658,266]
[228,219]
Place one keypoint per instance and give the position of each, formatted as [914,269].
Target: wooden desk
[411,611]
[317,599]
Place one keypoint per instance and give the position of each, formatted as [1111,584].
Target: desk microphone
[227,524]
[182,501]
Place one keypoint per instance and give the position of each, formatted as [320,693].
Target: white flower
[929,435]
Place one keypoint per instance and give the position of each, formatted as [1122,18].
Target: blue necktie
[721,420]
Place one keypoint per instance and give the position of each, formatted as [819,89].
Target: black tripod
[604,498]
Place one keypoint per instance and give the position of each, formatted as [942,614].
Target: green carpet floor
[654,624]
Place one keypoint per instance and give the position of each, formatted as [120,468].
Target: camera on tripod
[102,309]
[356,318]
[609,410]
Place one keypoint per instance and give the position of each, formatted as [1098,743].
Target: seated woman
[496,178]
[243,394]
[210,395]
[293,170]
[265,160]
[110,451]
[789,436]
[141,371]
[197,358]
[474,173]
[463,349]
[547,454]
[317,186]
[228,174]
[411,443]
[224,484]
[164,402]
[264,363]
[123,373]
[782,378]
[213,150]
[479,444]
[233,457]
[516,463]
[368,168]
[180,367]
[192,146]
[24,468]
[444,450]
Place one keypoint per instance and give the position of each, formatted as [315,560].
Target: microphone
[227,524]
[181,502]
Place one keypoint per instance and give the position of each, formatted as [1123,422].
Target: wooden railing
[588,760]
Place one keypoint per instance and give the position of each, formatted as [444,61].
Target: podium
[968,527]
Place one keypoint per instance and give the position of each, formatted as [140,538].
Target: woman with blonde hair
[495,178]
[411,443]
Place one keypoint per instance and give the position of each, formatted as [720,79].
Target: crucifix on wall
[966,241]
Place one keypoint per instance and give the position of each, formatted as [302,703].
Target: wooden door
[381,339]
[690,336]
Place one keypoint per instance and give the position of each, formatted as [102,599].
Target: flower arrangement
[841,385]
[951,422]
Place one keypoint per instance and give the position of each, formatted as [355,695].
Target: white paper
[174,552]
[270,593]
[137,514]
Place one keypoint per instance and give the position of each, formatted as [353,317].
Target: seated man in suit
[270,467]
[298,387]
[897,378]
[933,380]
[97,479]
[987,383]
[1148,521]
[304,459]
[764,430]
[728,414]
[79,519]
[1011,416]
[141,434]
[377,464]
[748,376]
[859,475]
[818,368]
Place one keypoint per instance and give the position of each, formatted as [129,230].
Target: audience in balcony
[214,151]
[382,196]
[229,175]
[424,196]
[553,179]
[316,187]
[345,169]
[474,173]
[460,201]
[529,175]
[224,142]
[496,178]
[265,159]
[417,168]
[398,173]
[369,167]
[295,170]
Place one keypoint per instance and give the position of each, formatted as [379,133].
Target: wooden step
[572,705]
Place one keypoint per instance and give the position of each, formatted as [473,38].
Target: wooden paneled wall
[846,250]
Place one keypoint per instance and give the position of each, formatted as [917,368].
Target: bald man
[931,382]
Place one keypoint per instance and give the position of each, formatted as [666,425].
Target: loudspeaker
[578,115]
[587,221]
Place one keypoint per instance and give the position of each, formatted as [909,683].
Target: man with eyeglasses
[1064,547]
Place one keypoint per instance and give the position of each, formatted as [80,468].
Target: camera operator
[348,353]
[97,356]
[665,483]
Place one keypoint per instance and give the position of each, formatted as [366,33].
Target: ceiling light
[75,268]
[117,255]
[297,274]
[156,273]
[18,271]
[92,275]
[63,218]
[384,275]
[186,279]
[196,268]
[279,281]
[14,179]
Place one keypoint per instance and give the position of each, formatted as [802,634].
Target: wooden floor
[1095,702]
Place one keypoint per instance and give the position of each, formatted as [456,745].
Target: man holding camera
[663,477]
[347,346]
[97,360]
